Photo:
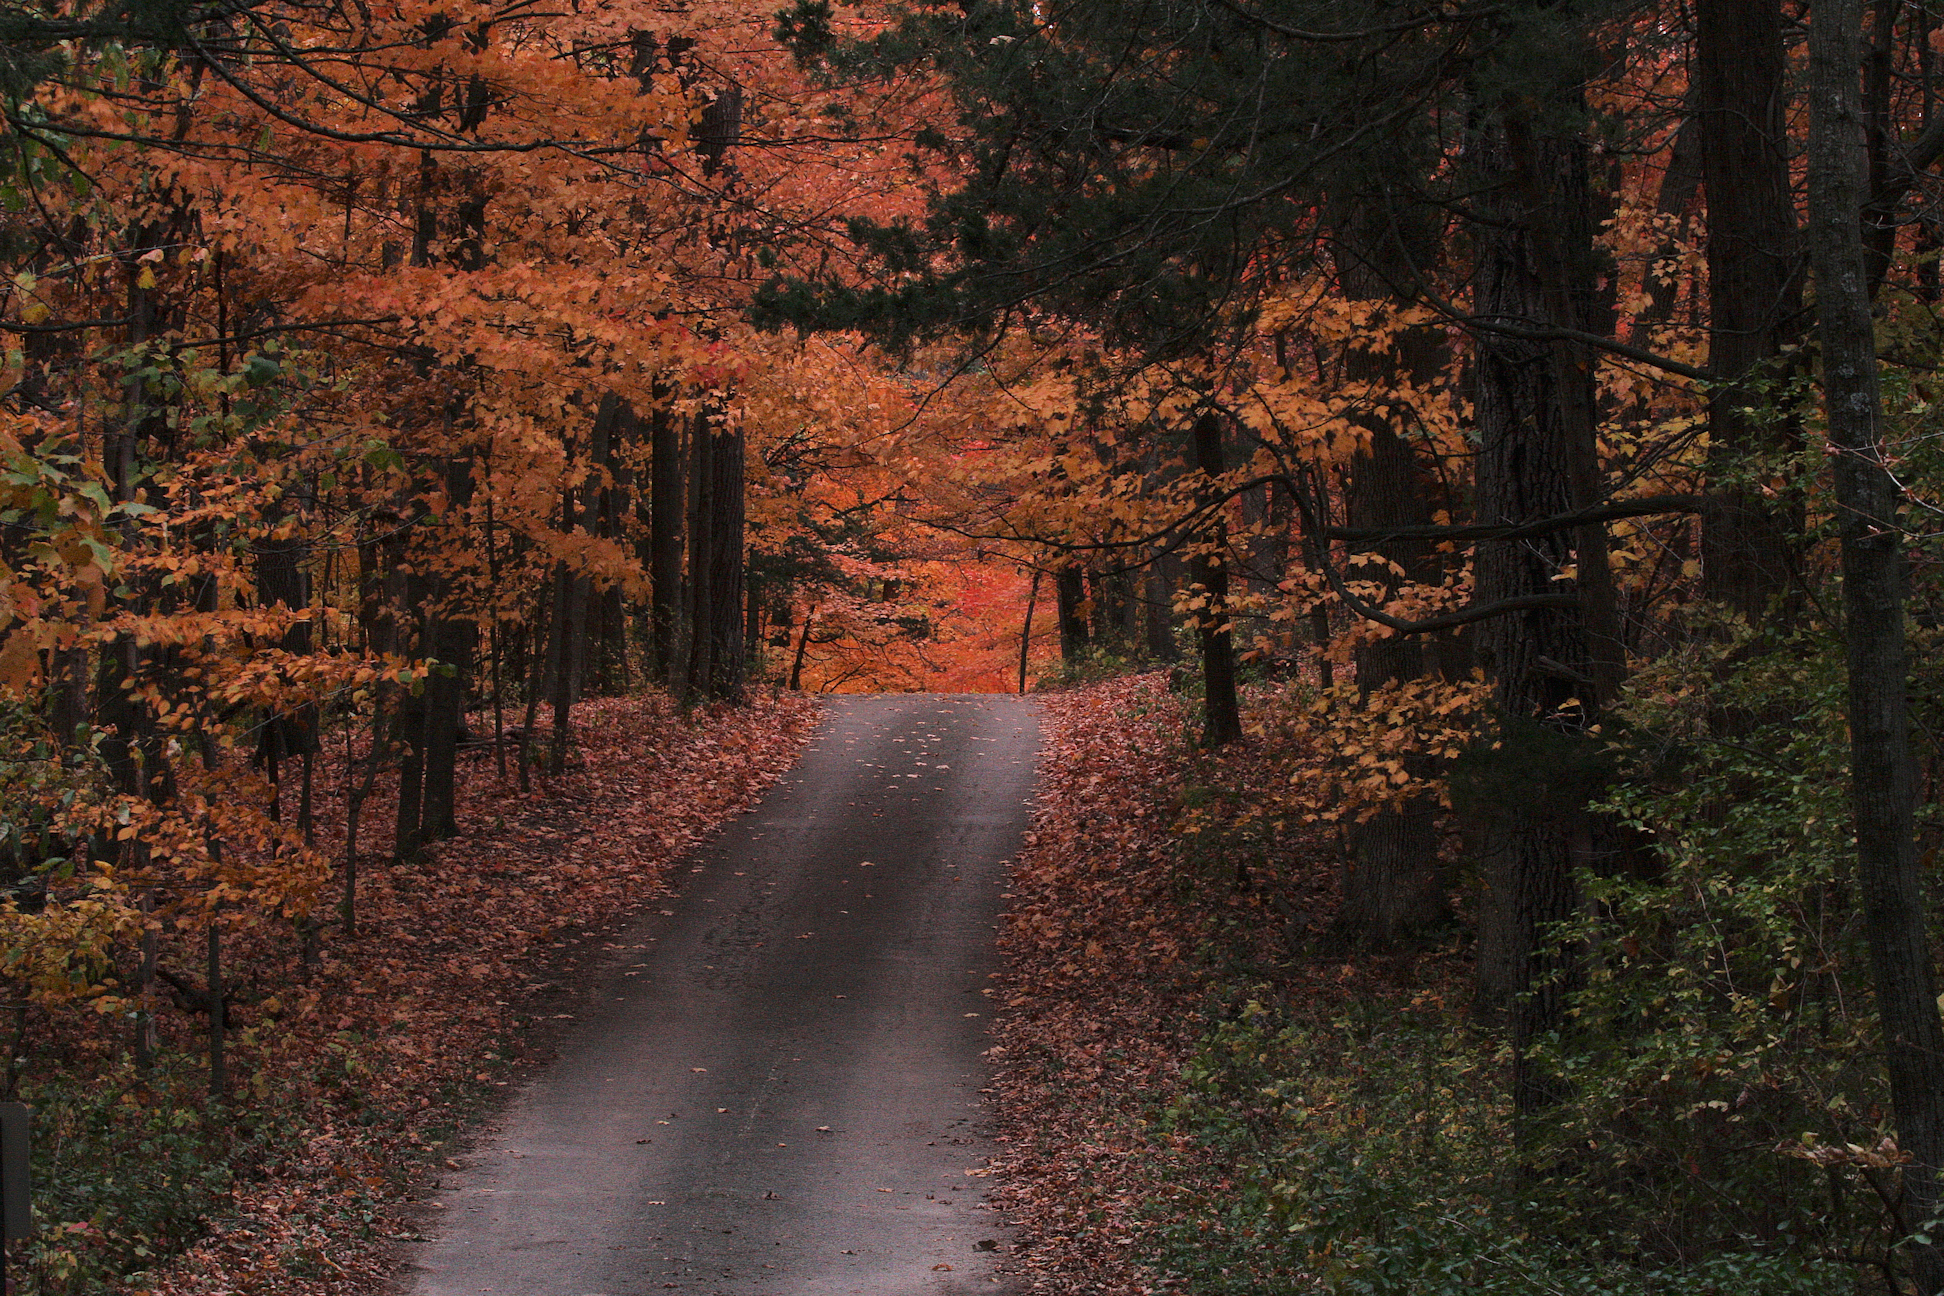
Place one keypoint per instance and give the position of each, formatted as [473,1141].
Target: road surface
[779,1091]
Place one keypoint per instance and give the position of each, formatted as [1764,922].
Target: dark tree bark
[1748,543]
[1534,405]
[1222,716]
[1393,882]
[452,640]
[1113,609]
[282,581]
[1164,577]
[667,491]
[1678,186]
[1070,598]
[802,649]
[726,568]
[701,557]
[405,586]
[1026,627]
[1882,773]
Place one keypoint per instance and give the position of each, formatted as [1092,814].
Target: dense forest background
[1513,423]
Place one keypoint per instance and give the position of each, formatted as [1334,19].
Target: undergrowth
[1291,1121]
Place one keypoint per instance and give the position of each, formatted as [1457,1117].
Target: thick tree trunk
[1157,607]
[1113,607]
[1748,542]
[1393,881]
[1533,405]
[445,703]
[701,558]
[1070,598]
[1222,717]
[726,565]
[666,495]
[452,641]
[1882,773]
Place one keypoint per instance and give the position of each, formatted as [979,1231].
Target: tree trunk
[803,647]
[666,495]
[726,565]
[452,642]
[1221,712]
[1748,545]
[1157,599]
[1070,597]
[407,588]
[1882,773]
[1026,627]
[701,662]
[1393,882]
[1533,405]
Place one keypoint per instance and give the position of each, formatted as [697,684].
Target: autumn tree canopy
[1489,400]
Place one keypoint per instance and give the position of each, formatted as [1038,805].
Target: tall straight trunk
[1026,627]
[282,582]
[1070,597]
[128,746]
[493,644]
[802,648]
[579,602]
[726,574]
[666,494]
[560,647]
[1533,403]
[407,589]
[1678,186]
[615,504]
[1221,712]
[445,715]
[1157,607]
[1883,787]
[1748,542]
[1393,882]
[540,650]
[701,658]
[1163,577]
[453,640]
[559,685]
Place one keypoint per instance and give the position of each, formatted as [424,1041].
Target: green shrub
[1372,1156]
[127,1173]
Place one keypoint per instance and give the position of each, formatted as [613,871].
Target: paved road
[779,1093]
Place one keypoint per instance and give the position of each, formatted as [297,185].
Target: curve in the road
[780,1092]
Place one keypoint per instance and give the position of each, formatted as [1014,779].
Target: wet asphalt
[779,1091]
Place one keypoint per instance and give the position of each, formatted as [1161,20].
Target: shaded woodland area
[1513,422]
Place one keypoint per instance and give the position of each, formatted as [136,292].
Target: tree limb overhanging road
[780,1090]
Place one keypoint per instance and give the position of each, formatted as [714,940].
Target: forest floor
[1134,931]
[354,1077]
[1127,945]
